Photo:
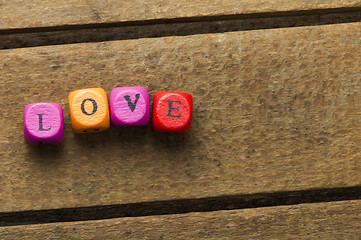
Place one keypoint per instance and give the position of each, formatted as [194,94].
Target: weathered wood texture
[45,13]
[274,110]
[334,220]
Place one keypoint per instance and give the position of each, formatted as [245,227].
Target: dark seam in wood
[180,206]
[181,20]
[36,39]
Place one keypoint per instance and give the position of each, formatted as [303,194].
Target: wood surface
[333,220]
[274,110]
[18,14]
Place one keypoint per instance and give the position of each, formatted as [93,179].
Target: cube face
[43,123]
[172,112]
[129,106]
[89,110]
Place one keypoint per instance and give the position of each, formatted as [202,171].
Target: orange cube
[89,110]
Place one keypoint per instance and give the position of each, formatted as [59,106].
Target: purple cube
[43,123]
[129,106]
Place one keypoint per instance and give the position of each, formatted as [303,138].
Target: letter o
[95,106]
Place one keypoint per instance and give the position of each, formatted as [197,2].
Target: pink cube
[43,123]
[129,106]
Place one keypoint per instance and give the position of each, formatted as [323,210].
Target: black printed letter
[95,106]
[41,123]
[130,104]
[170,108]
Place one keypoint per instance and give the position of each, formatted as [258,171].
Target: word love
[90,112]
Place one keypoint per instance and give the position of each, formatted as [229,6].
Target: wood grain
[333,220]
[274,110]
[17,14]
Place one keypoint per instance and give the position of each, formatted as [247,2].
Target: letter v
[130,104]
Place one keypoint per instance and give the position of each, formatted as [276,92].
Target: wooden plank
[333,220]
[50,13]
[274,110]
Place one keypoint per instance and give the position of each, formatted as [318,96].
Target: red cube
[172,112]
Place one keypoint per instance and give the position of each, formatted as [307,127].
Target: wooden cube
[129,106]
[89,110]
[172,112]
[43,123]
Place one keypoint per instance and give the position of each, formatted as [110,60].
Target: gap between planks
[72,34]
[180,206]
[333,220]
[182,20]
